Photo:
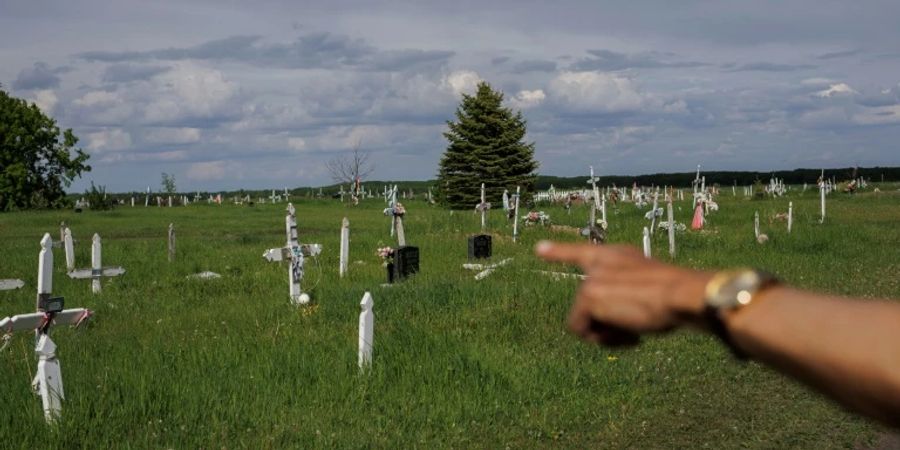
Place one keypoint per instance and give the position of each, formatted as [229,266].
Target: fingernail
[543,247]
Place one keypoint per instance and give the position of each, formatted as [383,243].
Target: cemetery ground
[172,362]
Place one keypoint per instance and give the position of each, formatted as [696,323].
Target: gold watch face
[733,289]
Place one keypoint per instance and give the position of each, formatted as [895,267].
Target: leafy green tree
[168,183]
[486,146]
[37,160]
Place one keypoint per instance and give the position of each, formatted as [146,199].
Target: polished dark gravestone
[480,246]
[406,262]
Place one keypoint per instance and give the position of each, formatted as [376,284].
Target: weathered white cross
[48,379]
[295,252]
[483,207]
[516,214]
[97,270]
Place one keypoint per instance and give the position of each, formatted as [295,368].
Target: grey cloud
[314,50]
[534,65]
[608,60]
[496,61]
[768,67]
[840,54]
[39,76]
[123,73]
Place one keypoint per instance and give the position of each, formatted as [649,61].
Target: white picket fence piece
[366,331]
[345,246]
[558,275]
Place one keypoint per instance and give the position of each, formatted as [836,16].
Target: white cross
[97,270]
[366,331]
[295,253]
[48,378]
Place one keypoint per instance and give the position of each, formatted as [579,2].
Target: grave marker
[480,246]
[97,271]
[47,381]
[516,215]
[671,230]
[790,218]
[171,242]
[10,284]
[345,246]
[646,241]
[366,331]
[295,252]
[406,262]
[69,249]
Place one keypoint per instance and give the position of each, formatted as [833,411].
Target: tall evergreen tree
[486,146]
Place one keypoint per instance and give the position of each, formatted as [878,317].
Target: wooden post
[366,331]
[671,229]
[62,231]
[401,235]
[70,250]
[655,206]
[171,242]
[482,208]
[790,219]
[646,241]
[45,270]
[295,268]
[516,215]
[756,225]
[822,196]
[96,266]
[345,246]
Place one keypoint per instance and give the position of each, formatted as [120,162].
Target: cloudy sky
[228,94]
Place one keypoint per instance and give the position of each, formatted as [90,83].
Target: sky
[230,95]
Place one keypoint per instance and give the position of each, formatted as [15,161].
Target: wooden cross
[295,252]
[483,207]
[48,378]
[97,270]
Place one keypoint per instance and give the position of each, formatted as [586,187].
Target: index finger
[581,254]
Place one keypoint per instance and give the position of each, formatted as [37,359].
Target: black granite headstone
[406,262]
[480,246]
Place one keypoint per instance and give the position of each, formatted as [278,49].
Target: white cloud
[816,81]
[189,91]
[597,92]
[173,135]
[206,171]
[109,140]
[46,100]
[836,89]
[462,81]
[527,99]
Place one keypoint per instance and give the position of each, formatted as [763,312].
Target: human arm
[848,349]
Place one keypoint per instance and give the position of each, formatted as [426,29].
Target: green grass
[169,362]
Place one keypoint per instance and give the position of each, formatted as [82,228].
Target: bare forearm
[845,348]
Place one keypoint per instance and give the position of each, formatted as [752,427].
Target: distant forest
[683,179]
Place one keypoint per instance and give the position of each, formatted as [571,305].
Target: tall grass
[170,362]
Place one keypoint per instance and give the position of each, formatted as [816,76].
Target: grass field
[169,362]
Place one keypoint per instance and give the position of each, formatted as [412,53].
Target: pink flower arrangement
[386,254]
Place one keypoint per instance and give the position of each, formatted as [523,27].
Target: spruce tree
[485,146]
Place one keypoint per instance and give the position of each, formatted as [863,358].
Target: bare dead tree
[350,167]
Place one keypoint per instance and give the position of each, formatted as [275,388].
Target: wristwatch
[731,291]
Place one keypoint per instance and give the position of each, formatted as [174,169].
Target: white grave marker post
[595,205]
[345,246]
[822,201]
[790,218]
[516,214]
[70,250]
[655,206]
[646,241]
[401,235]
[366,331]
[171,242]
[482,208]
[671,219]
[96,266]
[756,225]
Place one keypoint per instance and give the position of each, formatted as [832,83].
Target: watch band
[718,328]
